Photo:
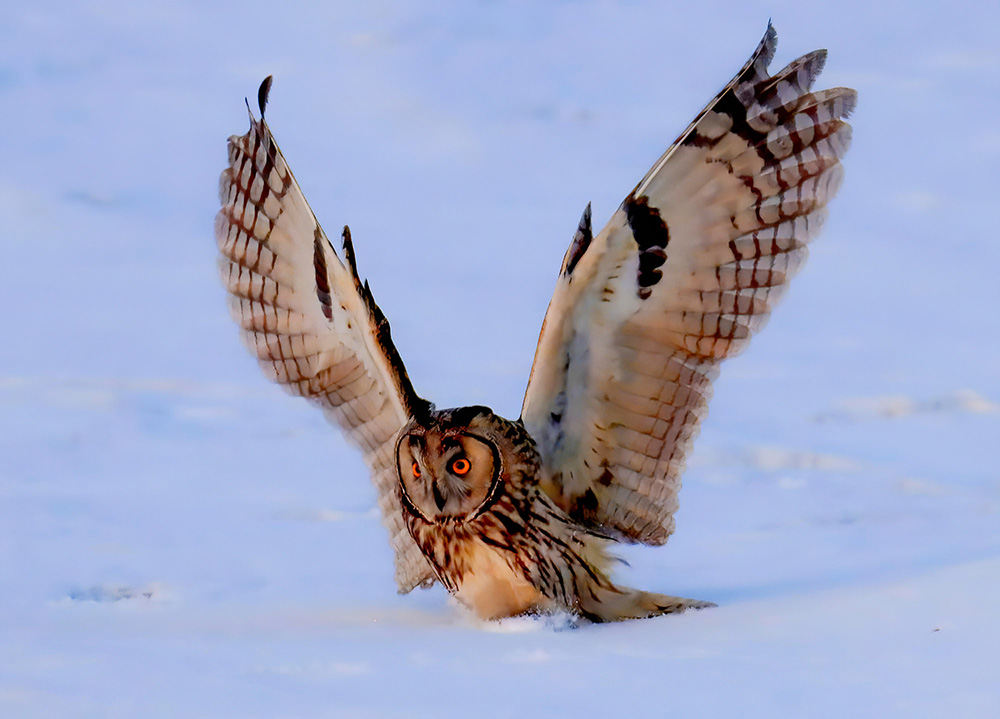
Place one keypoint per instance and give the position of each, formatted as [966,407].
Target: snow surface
[179,539]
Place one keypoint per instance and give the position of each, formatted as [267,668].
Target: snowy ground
[179,539]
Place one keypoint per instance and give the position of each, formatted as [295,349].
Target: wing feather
[681,277]
[313,326]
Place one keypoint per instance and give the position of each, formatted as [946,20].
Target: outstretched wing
[686,270]
[313,326]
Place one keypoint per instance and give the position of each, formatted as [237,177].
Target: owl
[520,516]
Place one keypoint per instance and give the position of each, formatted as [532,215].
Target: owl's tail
[609,603]
[601,600]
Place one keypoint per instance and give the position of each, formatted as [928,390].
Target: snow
[178,538]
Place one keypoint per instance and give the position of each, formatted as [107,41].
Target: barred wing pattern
[313,326]
[685,271]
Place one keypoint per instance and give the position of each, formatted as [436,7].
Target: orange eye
[416,470]
[461,466]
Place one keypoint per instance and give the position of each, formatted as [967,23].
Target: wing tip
[849,96]
[348,245]
[768,43]
[581,241]
[263,92]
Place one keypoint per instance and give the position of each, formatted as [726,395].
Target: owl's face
[449,464]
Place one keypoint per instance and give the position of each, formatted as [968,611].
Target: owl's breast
[491,588]
[483,562]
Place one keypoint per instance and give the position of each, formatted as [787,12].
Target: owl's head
[453,464]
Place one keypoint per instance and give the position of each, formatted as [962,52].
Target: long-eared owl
[518,516]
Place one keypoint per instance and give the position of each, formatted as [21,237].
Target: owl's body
[481,534]
[517,516]
[494,538]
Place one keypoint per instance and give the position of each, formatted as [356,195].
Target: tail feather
[615,604]
[599,599]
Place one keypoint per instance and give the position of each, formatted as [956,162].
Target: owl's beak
[439,499]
